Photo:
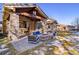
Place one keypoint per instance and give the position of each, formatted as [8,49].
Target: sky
[64,13]
[1,7]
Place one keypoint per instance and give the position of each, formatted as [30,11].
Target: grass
[3,40]
[77,43]
[63,33]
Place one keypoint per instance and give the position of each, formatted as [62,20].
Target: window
[24,24]
[49,27]
[38,25]
[34,13]
[64,27]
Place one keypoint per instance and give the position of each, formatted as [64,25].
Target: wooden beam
[29,15]
[25,14]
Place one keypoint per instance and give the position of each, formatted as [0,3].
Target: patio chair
[34,38]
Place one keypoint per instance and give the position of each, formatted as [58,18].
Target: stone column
[44,26]
[13,27]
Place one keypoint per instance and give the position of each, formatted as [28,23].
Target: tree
[76,22]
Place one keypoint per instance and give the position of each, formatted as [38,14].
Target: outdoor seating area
[37,37]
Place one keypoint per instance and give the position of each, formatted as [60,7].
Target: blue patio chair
[36,38]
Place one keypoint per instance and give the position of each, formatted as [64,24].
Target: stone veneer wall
[13,27]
